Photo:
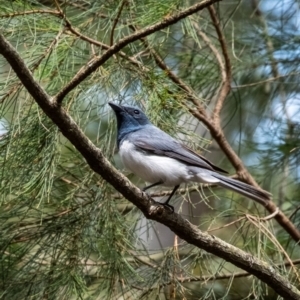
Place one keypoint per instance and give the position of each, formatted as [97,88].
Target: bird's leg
[166,203]
[171,195]
[151,185]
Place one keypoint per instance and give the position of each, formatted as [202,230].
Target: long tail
[243,188]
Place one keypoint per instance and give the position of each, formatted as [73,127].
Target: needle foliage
[64,232]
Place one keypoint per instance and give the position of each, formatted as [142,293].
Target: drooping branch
[213,123]
[217,132]
[151,209]
[226,67]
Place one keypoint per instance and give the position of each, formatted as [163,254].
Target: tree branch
[30,12]
[213,124]
[150,208]
[226,68]
[116,22]
[87,39]
[90,68]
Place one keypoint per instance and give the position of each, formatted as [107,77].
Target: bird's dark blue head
[129,119]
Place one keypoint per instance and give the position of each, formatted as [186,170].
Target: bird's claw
[170,207]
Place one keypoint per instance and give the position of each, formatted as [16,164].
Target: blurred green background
[64,232]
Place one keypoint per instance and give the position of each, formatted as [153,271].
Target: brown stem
[30,12]
[16,87]
[116,22]
[96,160]
[167,21]
[85,38]
[215,52]
[226,72]
[265,81]
[216,130]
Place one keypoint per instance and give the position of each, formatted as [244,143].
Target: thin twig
[216,131]
[264,81]
[30,12]
[85,38]
[215,52]
[271,216]
[16,87]
[231,275]
[116,22]
[180,83]
[167,21]
[218,134]
[264,219]
[294,212]
[206,278]
[226,72]
[272,238]
[181,191]
[99,164]
[228,224]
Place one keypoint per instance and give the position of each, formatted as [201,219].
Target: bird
[160,159]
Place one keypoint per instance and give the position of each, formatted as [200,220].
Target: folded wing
[155,141]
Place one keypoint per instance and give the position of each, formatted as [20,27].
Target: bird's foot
[168,206]
[159,209]
[144,193]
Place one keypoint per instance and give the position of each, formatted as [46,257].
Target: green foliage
[64,232]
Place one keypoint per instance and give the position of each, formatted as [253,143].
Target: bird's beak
[116,107]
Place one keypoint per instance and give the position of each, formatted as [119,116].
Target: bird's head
[129,118]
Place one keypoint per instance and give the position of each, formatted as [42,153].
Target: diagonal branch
[215,52]
[213,124]
[150,208]
[60,14]
[218,134]
[49,49]
[163,66]
[90,68]
[116,22]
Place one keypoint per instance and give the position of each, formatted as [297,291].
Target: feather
[162,144]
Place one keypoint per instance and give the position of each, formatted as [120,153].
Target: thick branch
[151,210]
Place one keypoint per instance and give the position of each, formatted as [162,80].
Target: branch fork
[98,163]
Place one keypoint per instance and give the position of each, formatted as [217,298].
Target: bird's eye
[136,111]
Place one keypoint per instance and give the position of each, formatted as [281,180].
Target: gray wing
[153,140]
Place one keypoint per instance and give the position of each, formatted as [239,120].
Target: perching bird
[157,158]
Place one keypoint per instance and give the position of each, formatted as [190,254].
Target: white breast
[153,168]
